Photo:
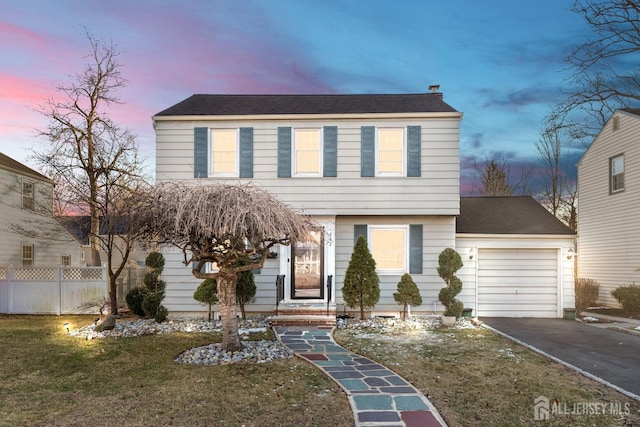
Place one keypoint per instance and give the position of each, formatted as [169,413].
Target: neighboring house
[609,206]
[382,166]
[29,234]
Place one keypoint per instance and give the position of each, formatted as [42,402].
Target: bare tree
[496,180]
[86,145]
[231,226]
[604,74]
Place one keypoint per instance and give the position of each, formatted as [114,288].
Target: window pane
[27,255]
[617,173]
[224,152]
[307,155]
[388,248]
[617,165]
[390,151]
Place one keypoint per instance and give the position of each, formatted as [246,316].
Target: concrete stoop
[304,314]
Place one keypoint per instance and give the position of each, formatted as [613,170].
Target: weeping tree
[231,226]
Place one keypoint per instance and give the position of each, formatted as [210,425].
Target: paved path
[608,355]
[378,396]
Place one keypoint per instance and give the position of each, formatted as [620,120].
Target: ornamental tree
[449,262]
[361,282]
[231,226]
[408,293]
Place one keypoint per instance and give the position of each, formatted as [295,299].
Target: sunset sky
[499,62]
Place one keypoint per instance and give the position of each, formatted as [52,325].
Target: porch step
[302,320]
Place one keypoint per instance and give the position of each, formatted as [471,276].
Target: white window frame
[212,171]
[33,255]
[294,152]
[403,172]
[28,201]
[403,227]
[612,179]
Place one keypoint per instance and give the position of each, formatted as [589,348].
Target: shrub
[629,298]
[155,261]
[207,293]
[408,293]
[245,290]
[152,301]
[134,300]
[449,262]
[586,292]
[361,282]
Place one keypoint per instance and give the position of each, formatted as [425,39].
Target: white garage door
[518,282]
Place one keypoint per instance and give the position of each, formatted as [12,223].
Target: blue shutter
[415,249]
[367,151]
[414,150]
[330,154]
[284,152]
[246,152]
[359,230]
[200,149]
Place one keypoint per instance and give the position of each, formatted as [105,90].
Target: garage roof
[507,215]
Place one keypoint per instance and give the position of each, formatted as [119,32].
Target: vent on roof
[616,123]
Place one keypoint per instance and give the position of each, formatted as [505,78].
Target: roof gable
[8,163]
[507,215]
[308,104]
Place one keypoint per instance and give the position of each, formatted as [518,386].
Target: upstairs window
[307,159]
[616,168]
[27,255]
[224,153]
[28,202]
[65,260]
[390,150]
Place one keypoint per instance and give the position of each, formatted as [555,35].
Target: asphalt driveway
[611,355]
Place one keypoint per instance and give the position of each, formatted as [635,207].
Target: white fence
[56,290]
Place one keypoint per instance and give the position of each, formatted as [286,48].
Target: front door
[307,267]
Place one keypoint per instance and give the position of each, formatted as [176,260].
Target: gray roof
[635,111]
[8,163]
[308,104]
[507,215]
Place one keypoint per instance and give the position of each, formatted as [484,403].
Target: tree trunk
[113,296]
[228,314]
[243,313]
[361,311]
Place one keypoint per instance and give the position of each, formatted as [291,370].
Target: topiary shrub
[207,293]
[152,301]
[361,282]
[629,298]
[245,290]
[134,300]
[449,262]
[586,293]
[408,293]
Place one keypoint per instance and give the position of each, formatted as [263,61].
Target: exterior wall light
[472,253]
[570,253]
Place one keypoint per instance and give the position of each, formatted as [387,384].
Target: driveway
[608,354]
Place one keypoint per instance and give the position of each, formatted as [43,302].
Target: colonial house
[385,167]
[29,234]
[609,205]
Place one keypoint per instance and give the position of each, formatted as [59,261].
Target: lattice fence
[36,274]
[86,273]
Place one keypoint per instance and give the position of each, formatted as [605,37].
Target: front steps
[304,314]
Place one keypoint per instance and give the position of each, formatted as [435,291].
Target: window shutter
[415,249]
[359,230]
[246,152]
[200,150]
[367,151]
[284,152]
[330,155]
[414,146]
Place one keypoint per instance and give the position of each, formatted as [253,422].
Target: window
[307,147]
[27,195]
[224,152]
[390,149]
[616,167]
[389,247]
[65,260]
[27,255]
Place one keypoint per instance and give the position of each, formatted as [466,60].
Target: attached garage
[518,282]
[518,258]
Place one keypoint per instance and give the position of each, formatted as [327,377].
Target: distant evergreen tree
[207,293]
[361,282]
[408,293]
[245,290]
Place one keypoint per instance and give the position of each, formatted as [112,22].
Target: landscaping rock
[106,324]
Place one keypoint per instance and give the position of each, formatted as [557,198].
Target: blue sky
[501,63]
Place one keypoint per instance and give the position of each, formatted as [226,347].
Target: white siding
[608,227]
[436,192]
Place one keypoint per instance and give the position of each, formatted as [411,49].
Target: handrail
[279,290]
[329,281]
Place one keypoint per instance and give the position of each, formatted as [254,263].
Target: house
[29,234]
[385,167]
[609,203]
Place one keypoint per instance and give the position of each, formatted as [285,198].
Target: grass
[477,378]
[48,378]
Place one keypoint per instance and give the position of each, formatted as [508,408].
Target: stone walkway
[378,396]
